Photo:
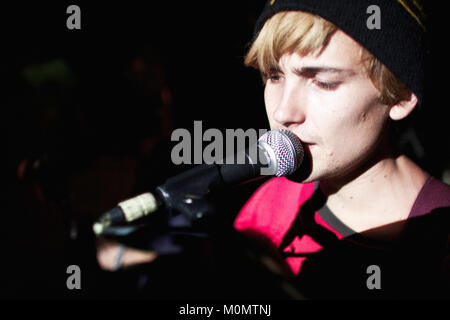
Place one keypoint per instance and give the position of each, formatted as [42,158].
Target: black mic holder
[192,203]
[188,209]
[196,193]
[189,193]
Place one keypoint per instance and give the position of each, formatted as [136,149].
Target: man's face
[330,103]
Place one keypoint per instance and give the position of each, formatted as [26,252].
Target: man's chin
[304,173]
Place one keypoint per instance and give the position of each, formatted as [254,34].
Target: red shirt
[276,205]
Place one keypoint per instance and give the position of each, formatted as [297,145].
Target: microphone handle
[188,192]
[128,211]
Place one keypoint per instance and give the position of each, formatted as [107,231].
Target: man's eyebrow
[312,71]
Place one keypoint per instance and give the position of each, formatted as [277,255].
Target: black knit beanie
[399,43]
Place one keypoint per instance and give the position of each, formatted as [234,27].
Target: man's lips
[305,142]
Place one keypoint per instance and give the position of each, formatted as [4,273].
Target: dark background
[89,114]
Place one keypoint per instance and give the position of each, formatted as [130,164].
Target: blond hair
[304,33]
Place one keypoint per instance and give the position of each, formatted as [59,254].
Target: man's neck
[384,193]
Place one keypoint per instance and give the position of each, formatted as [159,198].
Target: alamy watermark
[374,20]
[220,148]
[374,280]
[74,279]
[74,20]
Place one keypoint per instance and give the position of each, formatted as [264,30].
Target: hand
[112,256]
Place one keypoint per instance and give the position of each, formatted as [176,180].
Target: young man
[360,219]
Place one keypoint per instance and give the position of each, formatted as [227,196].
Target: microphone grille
[287,148]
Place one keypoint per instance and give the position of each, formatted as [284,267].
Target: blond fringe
[304,33]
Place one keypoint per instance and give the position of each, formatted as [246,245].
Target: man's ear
[403,108]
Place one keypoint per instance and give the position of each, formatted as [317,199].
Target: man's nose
[289,110]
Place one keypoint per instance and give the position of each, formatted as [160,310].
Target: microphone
[277,153]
